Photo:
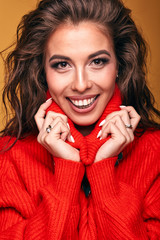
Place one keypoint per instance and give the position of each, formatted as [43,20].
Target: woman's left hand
[120,125]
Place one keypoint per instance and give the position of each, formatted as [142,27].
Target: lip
[83,110]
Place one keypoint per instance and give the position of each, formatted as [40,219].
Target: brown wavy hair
[26,85]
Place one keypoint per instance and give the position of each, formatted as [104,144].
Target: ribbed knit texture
[41,196]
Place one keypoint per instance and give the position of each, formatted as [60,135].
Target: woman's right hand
[54,141]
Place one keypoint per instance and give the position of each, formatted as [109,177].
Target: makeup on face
[81,70]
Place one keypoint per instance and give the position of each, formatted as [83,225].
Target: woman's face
[81,70]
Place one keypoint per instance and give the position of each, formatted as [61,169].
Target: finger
[68,136]
[40,115]
[49,121]
[57,147]
[122,113]
[114,145]
[134,116]
[119,123]
[126,121]
[47,127]
[56,133]
[128,114]
[59,131]
[52,117]
[127,132]
[115,133]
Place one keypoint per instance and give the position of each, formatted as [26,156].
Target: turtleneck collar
[89,144]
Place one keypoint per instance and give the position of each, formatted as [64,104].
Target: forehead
[88,34]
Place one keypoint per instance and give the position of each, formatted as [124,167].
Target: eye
[61,65]
[99,62]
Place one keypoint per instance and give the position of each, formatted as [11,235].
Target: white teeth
[76,102]
[83,103]
[89,101]
[80,103]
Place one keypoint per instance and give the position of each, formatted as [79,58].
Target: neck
[85,130]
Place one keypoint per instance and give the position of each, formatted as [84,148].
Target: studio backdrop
[146,14]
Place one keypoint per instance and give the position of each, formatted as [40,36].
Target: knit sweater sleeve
[48,215]
[121,212]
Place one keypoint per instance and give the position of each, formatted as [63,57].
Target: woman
[84,163]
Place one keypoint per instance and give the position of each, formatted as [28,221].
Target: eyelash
[102,61]
[56,65]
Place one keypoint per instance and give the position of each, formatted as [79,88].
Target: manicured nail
[122,106]
[99,134]
[103,122]
[68,125]
[72,139]
[49,99]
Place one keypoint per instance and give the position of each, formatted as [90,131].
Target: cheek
[106,78]
[54,84]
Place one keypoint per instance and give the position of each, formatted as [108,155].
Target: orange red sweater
[41,197]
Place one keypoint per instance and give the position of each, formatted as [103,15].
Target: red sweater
[41,196]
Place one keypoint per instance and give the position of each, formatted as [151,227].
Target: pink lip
[85,110]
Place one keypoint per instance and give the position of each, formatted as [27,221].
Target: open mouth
[83,103]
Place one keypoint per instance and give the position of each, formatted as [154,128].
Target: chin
[84,122]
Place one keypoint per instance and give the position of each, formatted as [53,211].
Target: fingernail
[103,122]
[72,139]
[49,99]
[122,106]
[99,134]
[68,125]
[100,138]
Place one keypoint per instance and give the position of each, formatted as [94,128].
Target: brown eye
[100,61]
[60,65]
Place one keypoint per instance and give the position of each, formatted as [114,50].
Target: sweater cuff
[101,176]
[67,179]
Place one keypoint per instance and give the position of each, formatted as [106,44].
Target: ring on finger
[48,129]
[128,126]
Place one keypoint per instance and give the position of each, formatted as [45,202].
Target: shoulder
[145,149]
[142,157]
[10,143]
[10,146]
[151,140]
[24,151]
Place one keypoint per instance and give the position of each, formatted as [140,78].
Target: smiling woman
[81,70]
[82,145]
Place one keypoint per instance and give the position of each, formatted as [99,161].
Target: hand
[120,125]
[54,141]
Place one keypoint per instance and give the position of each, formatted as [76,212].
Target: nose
[81,82]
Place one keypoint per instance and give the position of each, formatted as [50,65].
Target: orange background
[146,14]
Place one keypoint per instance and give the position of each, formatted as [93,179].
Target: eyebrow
[59,57]
[98,53]
[89,57]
